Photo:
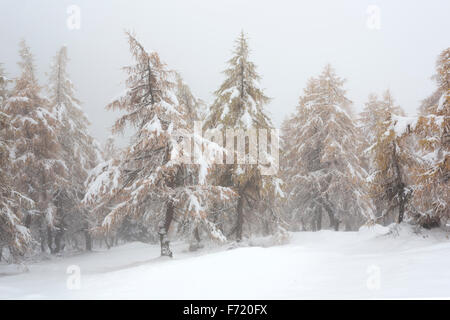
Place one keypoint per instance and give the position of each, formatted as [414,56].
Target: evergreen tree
[391,158]
[240,105]
[38,169]
[80,152]
[371,120]
[321,166]
[432,174]
[13,234]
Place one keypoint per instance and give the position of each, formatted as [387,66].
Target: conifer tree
[391,158]
[432,174]
[80,151]
[13,234]
[321,164]
[37,166]
[240,105]
[371,120]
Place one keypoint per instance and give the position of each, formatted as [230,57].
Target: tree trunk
[58,239]
[88,238]
[347,225]
[42,237]
[50,240]
[108,245]
[197,235]
[240,219]
[195,243]
[319,219]
[164,229]
[401,210]
[336,224]
[59,233]
[400,186]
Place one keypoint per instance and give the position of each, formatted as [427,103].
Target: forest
[62,191]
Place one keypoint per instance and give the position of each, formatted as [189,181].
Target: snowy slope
[325,264]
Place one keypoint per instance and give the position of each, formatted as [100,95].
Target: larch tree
[371,121]
[431,192]
[391,157]
[14,236]
[321,164]
[80,153]
[38,171]
[154,178]
[240,106]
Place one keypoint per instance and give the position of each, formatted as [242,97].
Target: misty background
[290,41]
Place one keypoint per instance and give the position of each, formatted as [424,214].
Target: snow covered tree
[150,179]
[240,105]
[432,174]
[14,236]
[80,153]
[321,164]
[371,119]
[37,167]
[391,158]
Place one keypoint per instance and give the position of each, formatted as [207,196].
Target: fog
[290,42]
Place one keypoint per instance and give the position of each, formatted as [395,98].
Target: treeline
[340,170]
[378,166]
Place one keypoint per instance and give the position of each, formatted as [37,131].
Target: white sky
[290,42]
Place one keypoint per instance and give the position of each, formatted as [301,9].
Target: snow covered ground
[358,265]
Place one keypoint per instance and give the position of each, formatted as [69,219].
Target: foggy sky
[290,41]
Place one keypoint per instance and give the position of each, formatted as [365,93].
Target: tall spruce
[240,105]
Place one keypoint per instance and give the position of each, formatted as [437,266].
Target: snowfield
[373,263]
